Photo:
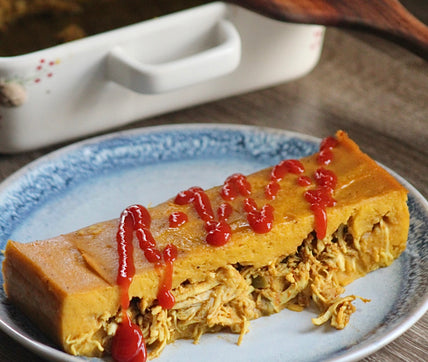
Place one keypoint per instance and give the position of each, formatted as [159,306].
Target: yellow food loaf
[67,284]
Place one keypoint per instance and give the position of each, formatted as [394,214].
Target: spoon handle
[386,18]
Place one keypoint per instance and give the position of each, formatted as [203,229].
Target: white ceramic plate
[95,179]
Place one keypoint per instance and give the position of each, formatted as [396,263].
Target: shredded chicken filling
[232,296]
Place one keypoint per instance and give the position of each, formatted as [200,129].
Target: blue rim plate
[95,179]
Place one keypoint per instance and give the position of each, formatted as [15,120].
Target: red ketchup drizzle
[128,343]
[165,298]
[325,178]
[322,197]
[153,255]
[199,199]
[325,155]
[125,250]
[145,238]
[177,219]
[235,185]
[278,173]
[261,221]
[304,181]
[272,189]
[218,232]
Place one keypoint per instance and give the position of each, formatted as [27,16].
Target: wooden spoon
[387,18]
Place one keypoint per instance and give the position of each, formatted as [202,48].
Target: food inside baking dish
[205,261]
[30,25]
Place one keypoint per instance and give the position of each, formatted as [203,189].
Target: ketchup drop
[325,155]
[304,181]
[261,221]
[272,189]
[325,178]
[128,343]
[218,232]
[177,219]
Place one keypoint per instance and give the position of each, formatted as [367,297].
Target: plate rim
[367,347]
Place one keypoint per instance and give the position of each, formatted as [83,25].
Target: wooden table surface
[373,89]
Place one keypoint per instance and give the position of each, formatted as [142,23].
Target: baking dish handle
[148,78]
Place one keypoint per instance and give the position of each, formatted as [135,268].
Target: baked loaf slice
[333,217]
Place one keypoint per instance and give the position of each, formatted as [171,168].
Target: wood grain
[386,18]
[371,88]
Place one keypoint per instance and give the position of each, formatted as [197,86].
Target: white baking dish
[156,66]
